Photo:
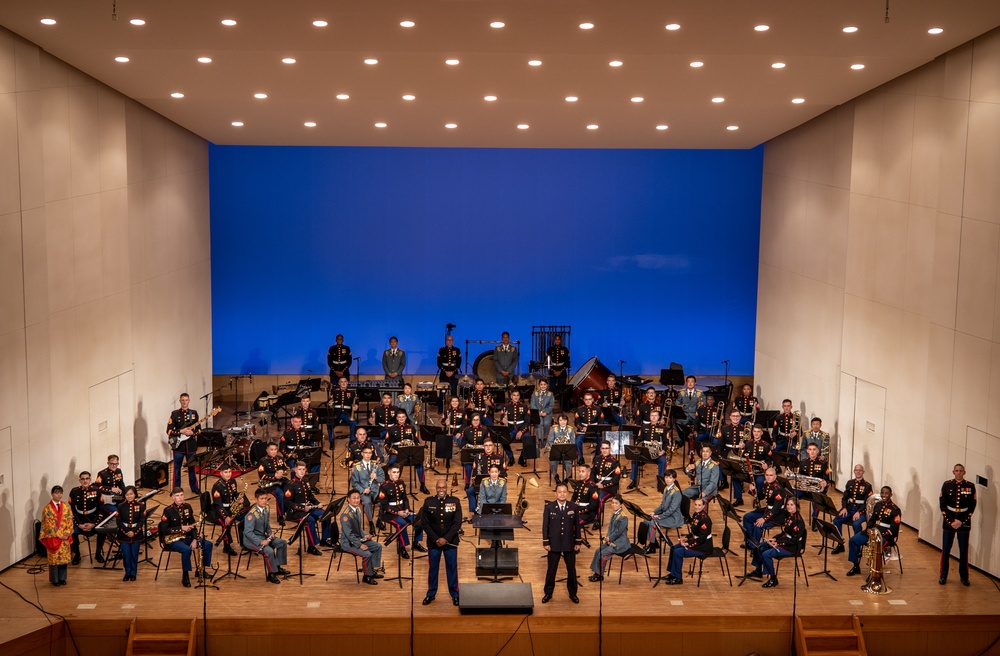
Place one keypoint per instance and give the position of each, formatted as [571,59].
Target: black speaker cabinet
[153,474]
[505,560]
[488,599]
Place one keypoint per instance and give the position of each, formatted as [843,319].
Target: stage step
[151,637]
[829,636]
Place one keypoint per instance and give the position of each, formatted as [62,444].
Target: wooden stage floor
[252,616]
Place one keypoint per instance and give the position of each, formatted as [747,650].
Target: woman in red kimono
[57,535]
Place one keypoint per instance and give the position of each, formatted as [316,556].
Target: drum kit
[248,440]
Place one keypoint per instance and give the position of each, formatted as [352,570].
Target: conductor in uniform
[561,539]
[442,520]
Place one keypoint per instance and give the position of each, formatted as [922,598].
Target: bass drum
[592,375]
[485,369]
[248,452]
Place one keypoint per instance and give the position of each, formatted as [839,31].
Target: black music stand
[397,537]
[596,432]
[639,455]
[297,537]
[199,460]
[829,532]
[429,435]
[562,453]
[667,544]
[412,457]
[529,447]
[736,471]
[750,546]
[238,533]
[727,511]
[467,456]
[501,436]
[783,459]
[824,503]
[636,512]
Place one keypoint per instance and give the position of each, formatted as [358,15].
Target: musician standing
[697,543]
[746,403]
[449,362]
[817,436]
[784,429]
[557,360]
[339,360]
[224,495]
[442,520]
[258,537]
[667,515]
[178,519]
[957,502]
[183,428]
[56,533]
[543,401]
[561,540]
[366,479]
[111,483]
[505,359]
[886,517]
[88,511]
[606,474]
[393,361]
[303,505]
[343,404]
[561,433]
[853,505]
[131,531]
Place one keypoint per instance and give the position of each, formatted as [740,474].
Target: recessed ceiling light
[571,98]
[586,26]
[237,124]
[761,28]
[381,124]
[489,98]
[137,21]
[718,99]
[614,63]
[310,124]
[228,22]
[798,101]
[534,62]
[850,29]
[592,126]
[697,64]
[778,65]
[857,67]
[451,62]
[451,126]
[288,60]
[522,126]
[320,23]
[121,60]
[342,96]
[409,96]
[371,61]
[637,99]
[732,128]
[204,60]
[661,127]
[260,96]
[673,26]
[406,23]
[48,21]
[177,94]
[935,30]
[497,24]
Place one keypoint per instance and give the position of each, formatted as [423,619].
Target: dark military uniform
[449,361]
[746,405]
[291,441]
[179,419]
[855,498]
[957,502]
[298,497]
[584,417]
[87,509]
[607,471]
[173,518]
[479,401]
[392,499]
[611,399]
[268,470]
[224,495]
[341,404]
[106,481]
[354,452]
[338,358]
[789,542]
[455,420]
[442,519]
[782,429]
[586,499]
[561,534]
[772,503]
[886,517]
[699,542]
[558,361]
[516,415]
[131,519]
[706,418]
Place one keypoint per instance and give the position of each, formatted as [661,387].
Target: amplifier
[153,474]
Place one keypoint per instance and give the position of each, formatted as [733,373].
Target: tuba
[874,551]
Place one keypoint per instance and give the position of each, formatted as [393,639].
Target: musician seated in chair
[515,418]
[697,543]
[853,505]
[354,540]
[366,479]
[757,450]
[273,473]
[705,419]
[615,541]
[383,416]
[606,474]
[294,440]
[225,495]
[111,483]
[302,504]
[343,403]
[789,542]
[772,505]
[667,515]
[395,506]
[815,467]
[586,498]
[653,437]
[179,532]
[706,476]
[88,511]
[482,402]
[481,471]
[586,415]
[561,433]
[885,517]
[361,442]
[404,433]
[258,537]
[611,401]
[493,489]
[473,435]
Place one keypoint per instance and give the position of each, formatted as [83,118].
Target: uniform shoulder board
[503,481]
[358,466]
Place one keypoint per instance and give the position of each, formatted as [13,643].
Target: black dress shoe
[419,547]
[403,553]
[229,551]
[965,582]
[427,600]
[376,575]
[650,549]
[596,526]
[99,558]
[314,551]
[546,599]
[423,489]
[281,521]
[839,549]
[326,543]
[755,574]
[273,578]
[574,599]
[673,580]
[76,560]
[772,583]
[283,571]
[125,578]
[737,504]
[854,571]
[594,578]
[586,543]
[186,580]
[454,601]
[942,580]
[369,580]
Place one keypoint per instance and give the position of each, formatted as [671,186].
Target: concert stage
[251,617]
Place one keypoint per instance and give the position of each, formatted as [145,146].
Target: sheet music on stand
[620,439]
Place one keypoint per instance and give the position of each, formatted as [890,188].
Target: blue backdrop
[649,255]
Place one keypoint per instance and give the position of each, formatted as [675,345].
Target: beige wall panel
[13,387]
[984,83]
[861,253]
[26,508]
[901,467]
[185,152]
[933,470]
[885,351]
[54,72]
[905,84]
[944,282]
[867,145]
[115,241]
[897,147]
[926,160]
[161,240]
[84,123]
[133,141]
[187,203]
[70,367]
[929,79]
[838,211]
[41,376]
[11,273]
[971,385]
[993,407]
[116,330]
[844,147]
[775,159]
[28,62]
[136,232]
[88,258]
[35,263]
[977,278]
[8,67]
[771,218]
[56,143]
[769,284]
[60,254]
[821,142]
[908,380]
[890,254]
[958,73]
[154,145]
[940,373]
[857,344]
[30,149]
[111,112]
[982,165]
[984,551]
[10,184]
[919,254]
[954,129]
